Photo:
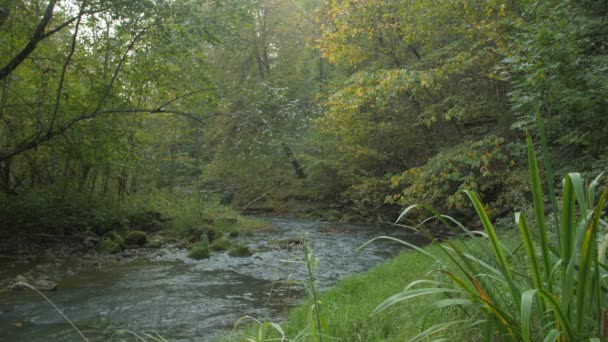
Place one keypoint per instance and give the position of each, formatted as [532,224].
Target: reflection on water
[189,300]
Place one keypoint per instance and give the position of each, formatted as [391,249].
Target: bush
[240,251]
[221,244]
[480,166]
[558,293]
[199,251]
[108,246]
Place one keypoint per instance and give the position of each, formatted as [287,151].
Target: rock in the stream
[41,285]
[45,285]
[136,238]
[128,253]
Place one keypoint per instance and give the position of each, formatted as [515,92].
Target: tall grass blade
[567,222]
[549,169]
[437,328]
[406,295]
[539,211]
[485,221]
[526,236]
[553,335]
[588,264]
[410,245]
[18,284]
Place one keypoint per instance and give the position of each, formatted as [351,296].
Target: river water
[182,299]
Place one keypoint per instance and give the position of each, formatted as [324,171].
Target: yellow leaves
[502,10]
[359,92]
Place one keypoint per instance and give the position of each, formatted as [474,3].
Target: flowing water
[183,299]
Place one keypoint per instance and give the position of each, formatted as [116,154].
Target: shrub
[480,166]
[108,246]
[199,251]
[240,251]
[559,293]
[220,244]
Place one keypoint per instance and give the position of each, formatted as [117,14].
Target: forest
[120,115]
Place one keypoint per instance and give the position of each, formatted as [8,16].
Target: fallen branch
[262,195]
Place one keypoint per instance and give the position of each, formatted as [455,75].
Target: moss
[213,234]
[199,251]
[156,243]
[220,244]
[136,238]
[240,251]
[108,246]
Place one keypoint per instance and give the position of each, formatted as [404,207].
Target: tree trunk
[294,162]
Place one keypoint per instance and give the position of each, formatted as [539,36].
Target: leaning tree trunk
[294,162]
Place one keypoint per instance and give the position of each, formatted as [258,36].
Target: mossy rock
[156,243]
[221,244]
[136,238]
[108,246]
[199,251]
[240,251]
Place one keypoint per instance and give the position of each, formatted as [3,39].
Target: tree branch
[37,140]
[31,45]
[64,68]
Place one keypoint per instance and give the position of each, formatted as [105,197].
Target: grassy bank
[545,283]
[347,310]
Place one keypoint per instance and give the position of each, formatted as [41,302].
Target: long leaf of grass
[410,245]
[405,212]
[539,210]
[596,264]
[552,335]
[406,295]
[562,320]
[437,328]
[549,169]
[475,266]
[567,224]
[527,299]
[526,236]
[579,190]
[588,263]
[485,221]
[17,284]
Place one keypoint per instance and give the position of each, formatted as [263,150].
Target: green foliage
[240,251]
[522,294]
[199,250]
[50,210]
[366,196]
[221,244]
[108,246]
[482,166]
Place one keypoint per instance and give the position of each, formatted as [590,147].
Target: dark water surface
[188,300]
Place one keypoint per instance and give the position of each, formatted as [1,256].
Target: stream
[182,299]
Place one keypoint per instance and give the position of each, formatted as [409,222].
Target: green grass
[547,283]
[347,309]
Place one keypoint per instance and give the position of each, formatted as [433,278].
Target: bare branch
[64,68]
